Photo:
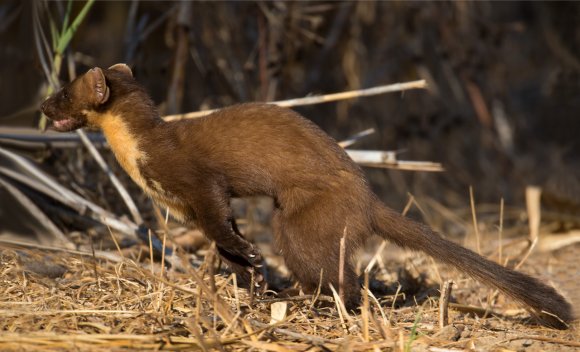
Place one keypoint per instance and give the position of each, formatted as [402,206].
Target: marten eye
[65,94]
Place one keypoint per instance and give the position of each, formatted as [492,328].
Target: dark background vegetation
[502,111]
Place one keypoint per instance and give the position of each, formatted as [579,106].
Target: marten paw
[254,257]
[248,256]
[248,276]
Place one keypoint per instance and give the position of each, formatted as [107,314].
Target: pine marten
[194,167]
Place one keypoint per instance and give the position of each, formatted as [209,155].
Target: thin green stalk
[414,333]
[67,35]
[66,17]
[60,42]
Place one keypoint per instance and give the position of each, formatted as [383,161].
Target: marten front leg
[215,218]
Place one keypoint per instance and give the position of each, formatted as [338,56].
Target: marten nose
[43,106]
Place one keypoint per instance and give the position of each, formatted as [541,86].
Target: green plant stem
[60,43]
[413,336]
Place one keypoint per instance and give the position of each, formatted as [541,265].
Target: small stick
[340,308]
[252,288]
[317,295]
[296,299]
[315,340]
[533,195]
[444,303]
[163,253]
[397,87]
[94,261]
[547,339]
[341,265]
[471,200]
[353,139]
[500,230]
[150,250]
[366,308]
[394,301]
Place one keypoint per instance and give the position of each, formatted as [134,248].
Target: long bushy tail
[546,302]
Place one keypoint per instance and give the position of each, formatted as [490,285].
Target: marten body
[194,167]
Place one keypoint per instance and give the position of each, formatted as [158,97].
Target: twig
[533,195]
[310,338]
[500,234]
[472,202]
[388,159]
[444,303]
[355,138]
[366,308]
[341,265]
[397,87]
[547,339]
[295,299]
[107,255]
[340,308]
[94,261]
[39,40]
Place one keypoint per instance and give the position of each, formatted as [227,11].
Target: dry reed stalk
[533,195]
[340,308]
[317,295]
[341,265]
[365,310]
[150,251]
[396,87]
[500,232]
[474,217]
[94,261]
[355,138]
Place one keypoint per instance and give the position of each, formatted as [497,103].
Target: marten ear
[98,85]
[122,68]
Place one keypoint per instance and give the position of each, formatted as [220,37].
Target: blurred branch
[396,87]
[96,212]
[388,159]
[177,84]
[355,138]
[36,212]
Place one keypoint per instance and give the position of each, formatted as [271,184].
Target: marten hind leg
[315,264]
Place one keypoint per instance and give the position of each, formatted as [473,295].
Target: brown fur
[194,167]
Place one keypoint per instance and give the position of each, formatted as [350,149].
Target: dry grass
[67,301]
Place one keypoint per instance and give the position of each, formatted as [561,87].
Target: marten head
[70,108]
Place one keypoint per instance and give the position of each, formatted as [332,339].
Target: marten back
[320,194]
